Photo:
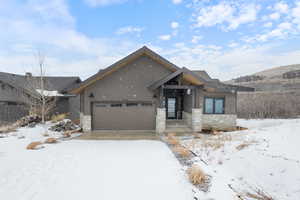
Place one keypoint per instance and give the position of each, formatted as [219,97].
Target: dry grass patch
[239,128]
[34,145]
[51,140]
[258,194]
[76,121]
[196,175]
[46,134]
[215,141]
[7,129]
[182,151]
[172,139]
[245,144]
[59,117]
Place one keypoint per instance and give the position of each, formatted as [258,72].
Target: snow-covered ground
[78,170]
[267,156]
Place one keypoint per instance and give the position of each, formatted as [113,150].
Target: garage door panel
[123,118]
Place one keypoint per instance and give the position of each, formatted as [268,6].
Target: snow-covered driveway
[76,169]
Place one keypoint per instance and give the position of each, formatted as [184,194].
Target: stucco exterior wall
[219,122]
[74,107]
[129,83]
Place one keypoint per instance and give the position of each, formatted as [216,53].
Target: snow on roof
[49,93]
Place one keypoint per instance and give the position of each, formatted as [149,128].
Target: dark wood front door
[171,108]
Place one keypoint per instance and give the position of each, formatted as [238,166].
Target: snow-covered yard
[267,156]
[78,169]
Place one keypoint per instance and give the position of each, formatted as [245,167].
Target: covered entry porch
[179,107]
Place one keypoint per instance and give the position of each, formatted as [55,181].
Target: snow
[80,169]
[271,161]
[49,93]
[77,169]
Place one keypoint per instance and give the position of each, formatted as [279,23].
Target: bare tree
[37,92]
[268,104]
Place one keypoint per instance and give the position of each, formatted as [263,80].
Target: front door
[171,108]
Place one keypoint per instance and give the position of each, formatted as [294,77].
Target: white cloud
[129,29]
[274,16]
[227,64]
[296,14]
[268,24]
[95,3]
[174,25]
[233,44]
[36,27]
[164,37]
[281,7]
[246,14]
[225,13]
[196,39]
[177,1]
[282,31]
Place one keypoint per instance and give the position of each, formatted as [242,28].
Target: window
[100,105]
[132,104]
[214,105]
[146,104]
[116,105]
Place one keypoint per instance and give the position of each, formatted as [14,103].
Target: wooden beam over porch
[179,86]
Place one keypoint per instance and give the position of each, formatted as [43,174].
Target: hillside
[283,78]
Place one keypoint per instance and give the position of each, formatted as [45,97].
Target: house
[144,91]
[16,91]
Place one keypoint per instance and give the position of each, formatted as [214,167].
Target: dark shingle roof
[52,83]
[203,74]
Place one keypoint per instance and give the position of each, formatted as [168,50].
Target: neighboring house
[15,91]
[144,91]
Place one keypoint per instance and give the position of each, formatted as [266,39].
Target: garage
[123,116]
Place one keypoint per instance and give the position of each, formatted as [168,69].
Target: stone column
[160,120]
[86,123]
[197,119]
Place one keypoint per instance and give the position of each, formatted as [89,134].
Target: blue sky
[79,37]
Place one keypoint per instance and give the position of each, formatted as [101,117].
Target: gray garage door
[124,116]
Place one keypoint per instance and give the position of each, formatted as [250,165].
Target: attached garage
[123,116]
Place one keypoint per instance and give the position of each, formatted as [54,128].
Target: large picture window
[214,105]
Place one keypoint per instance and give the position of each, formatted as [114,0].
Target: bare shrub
[245,144]
[196,175]
[258,194]
[268,104]
[182,151]
[59,117]
[242,146]
[51,140]
[34,145]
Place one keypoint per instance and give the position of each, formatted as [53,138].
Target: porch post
[196,114]
[161,114]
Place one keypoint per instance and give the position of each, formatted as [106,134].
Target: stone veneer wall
[160,120]
[187,117]
[197,119]
[86,122]
[219,122]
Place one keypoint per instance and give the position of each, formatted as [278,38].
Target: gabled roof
[202,74]
[114,67]
[187,74]
[53,83]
